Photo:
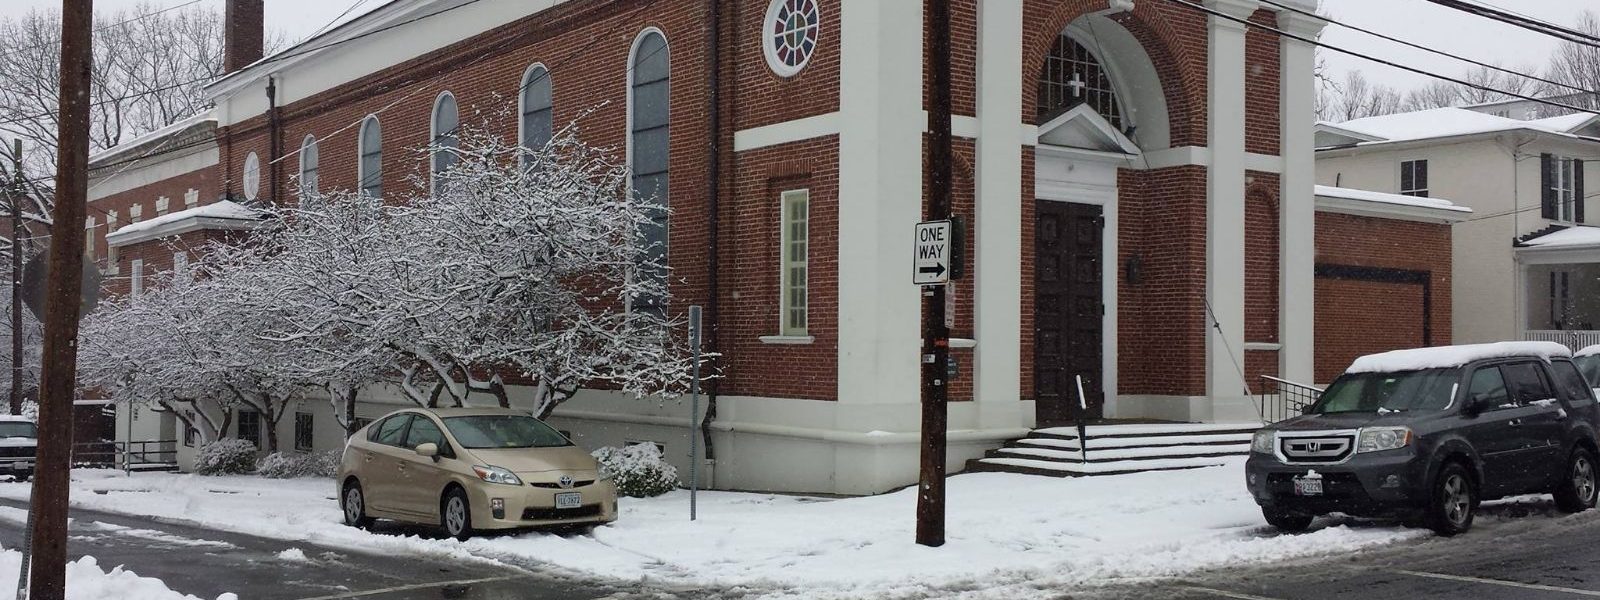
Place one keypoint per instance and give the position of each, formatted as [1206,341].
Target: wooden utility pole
[936,331]
[63,299]
[16,276]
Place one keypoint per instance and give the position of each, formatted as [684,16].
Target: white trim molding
[787,132]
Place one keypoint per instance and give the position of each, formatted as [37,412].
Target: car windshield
[1424,390]
[1590,367]
[13,429]
[503,431]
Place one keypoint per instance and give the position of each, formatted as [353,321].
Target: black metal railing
[107,454]
[1283,399]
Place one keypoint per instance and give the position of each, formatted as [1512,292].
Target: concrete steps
[1118,449]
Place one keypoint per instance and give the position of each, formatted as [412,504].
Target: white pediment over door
[1082,127]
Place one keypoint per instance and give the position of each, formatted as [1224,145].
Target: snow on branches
[522,265]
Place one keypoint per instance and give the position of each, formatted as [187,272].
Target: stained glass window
[793,27]
[1072,76]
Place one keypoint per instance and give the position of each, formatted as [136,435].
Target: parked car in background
[470,469]
[19,444]
[1427,434]
[1588,361]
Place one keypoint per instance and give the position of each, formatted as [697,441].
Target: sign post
[694,410]
[937,242]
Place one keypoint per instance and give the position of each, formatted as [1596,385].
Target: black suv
[1427,434]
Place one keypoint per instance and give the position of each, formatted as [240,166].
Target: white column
[998,245]
[1225,232]
[1297,199]
[880,199]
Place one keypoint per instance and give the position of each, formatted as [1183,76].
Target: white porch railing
[1575,339]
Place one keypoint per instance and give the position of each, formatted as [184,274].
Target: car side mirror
[430,450]
[1473,406]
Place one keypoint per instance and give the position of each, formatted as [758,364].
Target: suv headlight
[1261,442]
[493,474]
[1375,439]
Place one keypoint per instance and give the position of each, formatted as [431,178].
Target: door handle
[1514,422]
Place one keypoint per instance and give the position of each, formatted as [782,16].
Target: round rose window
[792,28]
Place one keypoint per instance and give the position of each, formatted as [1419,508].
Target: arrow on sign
[935,270]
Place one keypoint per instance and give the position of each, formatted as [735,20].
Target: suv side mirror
[429,450]
[1473,406]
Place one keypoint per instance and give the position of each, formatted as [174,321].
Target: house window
[308,165]
[648,126]
[250,427]
[251,178]
[136,277]
[536,108]
[1072,76]
[1565,191]
[370,172]
[795,239]
[446,120]
[1562,195]
[1414,178]
[1560,299]
[302,432]
[180,267]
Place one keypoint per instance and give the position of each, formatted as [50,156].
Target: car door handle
[1514,422]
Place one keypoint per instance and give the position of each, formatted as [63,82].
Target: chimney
[244,34]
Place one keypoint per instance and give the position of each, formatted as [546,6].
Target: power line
[1528,23]
[107,27]
[1425,48]
[1281,33]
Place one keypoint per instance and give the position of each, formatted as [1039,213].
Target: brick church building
[1136,178]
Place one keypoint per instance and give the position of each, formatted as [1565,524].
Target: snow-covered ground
[1009,536]
[86,580]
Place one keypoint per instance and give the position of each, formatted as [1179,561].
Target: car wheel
[1287,521]
[455,514]
[1454,500]
[1579,484]
[355,506]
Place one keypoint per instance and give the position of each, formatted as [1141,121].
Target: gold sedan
[470,469]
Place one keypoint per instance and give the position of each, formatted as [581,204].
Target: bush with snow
[289,465]
[638,470]
[230,456]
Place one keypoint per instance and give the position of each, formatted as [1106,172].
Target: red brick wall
[204,181]
[1161,320]
[1261,82]
[1261,273]
[1359,317]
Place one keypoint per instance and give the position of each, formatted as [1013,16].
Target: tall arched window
[308,165]
[648,121]
[370,171]
[1072,76]
[536,108]
[446,118]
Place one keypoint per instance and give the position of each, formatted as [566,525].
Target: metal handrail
[1283,399]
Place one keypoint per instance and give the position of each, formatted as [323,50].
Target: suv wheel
[455,514]
[1454,500]
[1287,521]
[1580,483]
[355,506]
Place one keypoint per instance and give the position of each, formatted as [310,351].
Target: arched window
[370,171]
[1072,76]
[446,118]
[648,121]
[536,108]
[308,165]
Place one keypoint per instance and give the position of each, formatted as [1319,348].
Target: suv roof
[1440,357]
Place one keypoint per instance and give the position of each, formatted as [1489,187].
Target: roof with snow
[1445,123]
[157,140]
[1560,237]
[1368,203]
[1441,357]
[1587,351]
[223,214]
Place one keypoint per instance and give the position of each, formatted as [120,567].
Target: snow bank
[1452,356]
[87,581]
[1009,536]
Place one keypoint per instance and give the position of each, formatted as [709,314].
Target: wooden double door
[1068,311]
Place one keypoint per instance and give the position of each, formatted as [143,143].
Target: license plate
[569,500]
[1308,486]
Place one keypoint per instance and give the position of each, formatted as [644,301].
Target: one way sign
[933,253]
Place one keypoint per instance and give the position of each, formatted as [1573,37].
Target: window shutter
[1577,190]
[1547,182]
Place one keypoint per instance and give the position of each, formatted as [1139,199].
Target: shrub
[226,457]
[287,465]
[638,469]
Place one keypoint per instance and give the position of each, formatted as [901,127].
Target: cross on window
[1077,84]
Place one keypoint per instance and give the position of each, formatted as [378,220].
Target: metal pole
[936,333]
[63,301]
[694,410]
[1083,431]
[16,276]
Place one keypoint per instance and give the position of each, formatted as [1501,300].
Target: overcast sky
[1413,20]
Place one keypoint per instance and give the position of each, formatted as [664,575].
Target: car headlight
[1375,439]
[1261,442]
[493,474]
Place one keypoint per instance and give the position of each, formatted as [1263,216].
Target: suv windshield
[1590,367]
[503,431]
[12,429]
[1385,392]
